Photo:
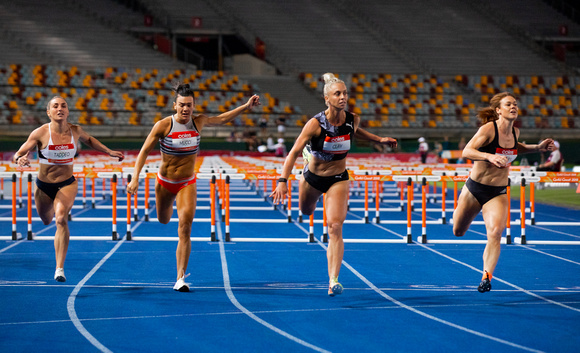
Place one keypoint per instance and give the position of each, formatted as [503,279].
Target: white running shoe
[307,154]
[180,285]
[59,275]
[334,288]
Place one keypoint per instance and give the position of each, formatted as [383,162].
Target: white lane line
[419,312]
[243,309]
[548,254]
[226,313]
[70,306]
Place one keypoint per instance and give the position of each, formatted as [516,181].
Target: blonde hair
[329,80]
[489,114]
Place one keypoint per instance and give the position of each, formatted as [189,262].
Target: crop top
[495,148]
[58,154]
[334,142]
[182,139]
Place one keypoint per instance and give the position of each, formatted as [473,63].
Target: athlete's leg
[495,218]
[44,206]
[63,203]
[307,197]
[186,205]
[467,209]
[163,203]
[336,209]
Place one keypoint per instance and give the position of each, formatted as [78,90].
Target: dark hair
[488,114]
[183,90]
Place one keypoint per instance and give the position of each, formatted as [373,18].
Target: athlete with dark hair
[178,136]
[492,148]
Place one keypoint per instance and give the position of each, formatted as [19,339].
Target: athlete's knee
[458,231]
[494,233]
[61,219]
[307,209]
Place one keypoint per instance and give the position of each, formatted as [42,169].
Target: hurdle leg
[311,235]
[508,229]
[409,210]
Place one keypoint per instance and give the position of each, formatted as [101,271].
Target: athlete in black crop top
[485,189]
[330,134]
[334,142]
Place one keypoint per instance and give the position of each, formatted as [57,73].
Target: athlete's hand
[498,161]
[117,154]
[253,101]
[279,194]
[23,161]
[546,145]
[133,186]
[389,141]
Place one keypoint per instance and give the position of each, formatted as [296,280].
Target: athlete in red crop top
[178,136]
[492,149]
[329,133]
[56,186]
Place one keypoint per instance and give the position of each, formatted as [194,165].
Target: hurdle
[211,177]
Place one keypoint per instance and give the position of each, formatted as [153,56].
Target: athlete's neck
[59,127]
[335,116]
[504,126]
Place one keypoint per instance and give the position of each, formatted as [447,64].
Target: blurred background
[414,68]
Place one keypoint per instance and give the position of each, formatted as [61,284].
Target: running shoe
[59,275]
[180,285]
[307,154]
[334,288]
[485,285]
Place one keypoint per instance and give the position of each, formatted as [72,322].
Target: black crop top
[334,142]
[495,148]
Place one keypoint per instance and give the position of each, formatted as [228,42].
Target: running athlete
[56,187]
[179,136]
[492,148]
[329,134]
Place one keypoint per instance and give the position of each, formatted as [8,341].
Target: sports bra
[182,139]
[334,142]
[58,154]
[495,148]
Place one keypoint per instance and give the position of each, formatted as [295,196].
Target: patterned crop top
[495,148]
[334,142]
[182,140]
[58,154]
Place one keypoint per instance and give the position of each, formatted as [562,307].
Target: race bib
[61,154]
[336,144]
[185,140]
[511,154]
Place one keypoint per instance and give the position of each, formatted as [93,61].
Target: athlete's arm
[21,156]
[311,129]
[158,131]
[228,116]
[96,144]
[483,137]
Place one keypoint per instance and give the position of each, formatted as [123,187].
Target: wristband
[282,180]
[17,158]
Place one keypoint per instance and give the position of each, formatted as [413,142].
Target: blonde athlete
[329,134]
